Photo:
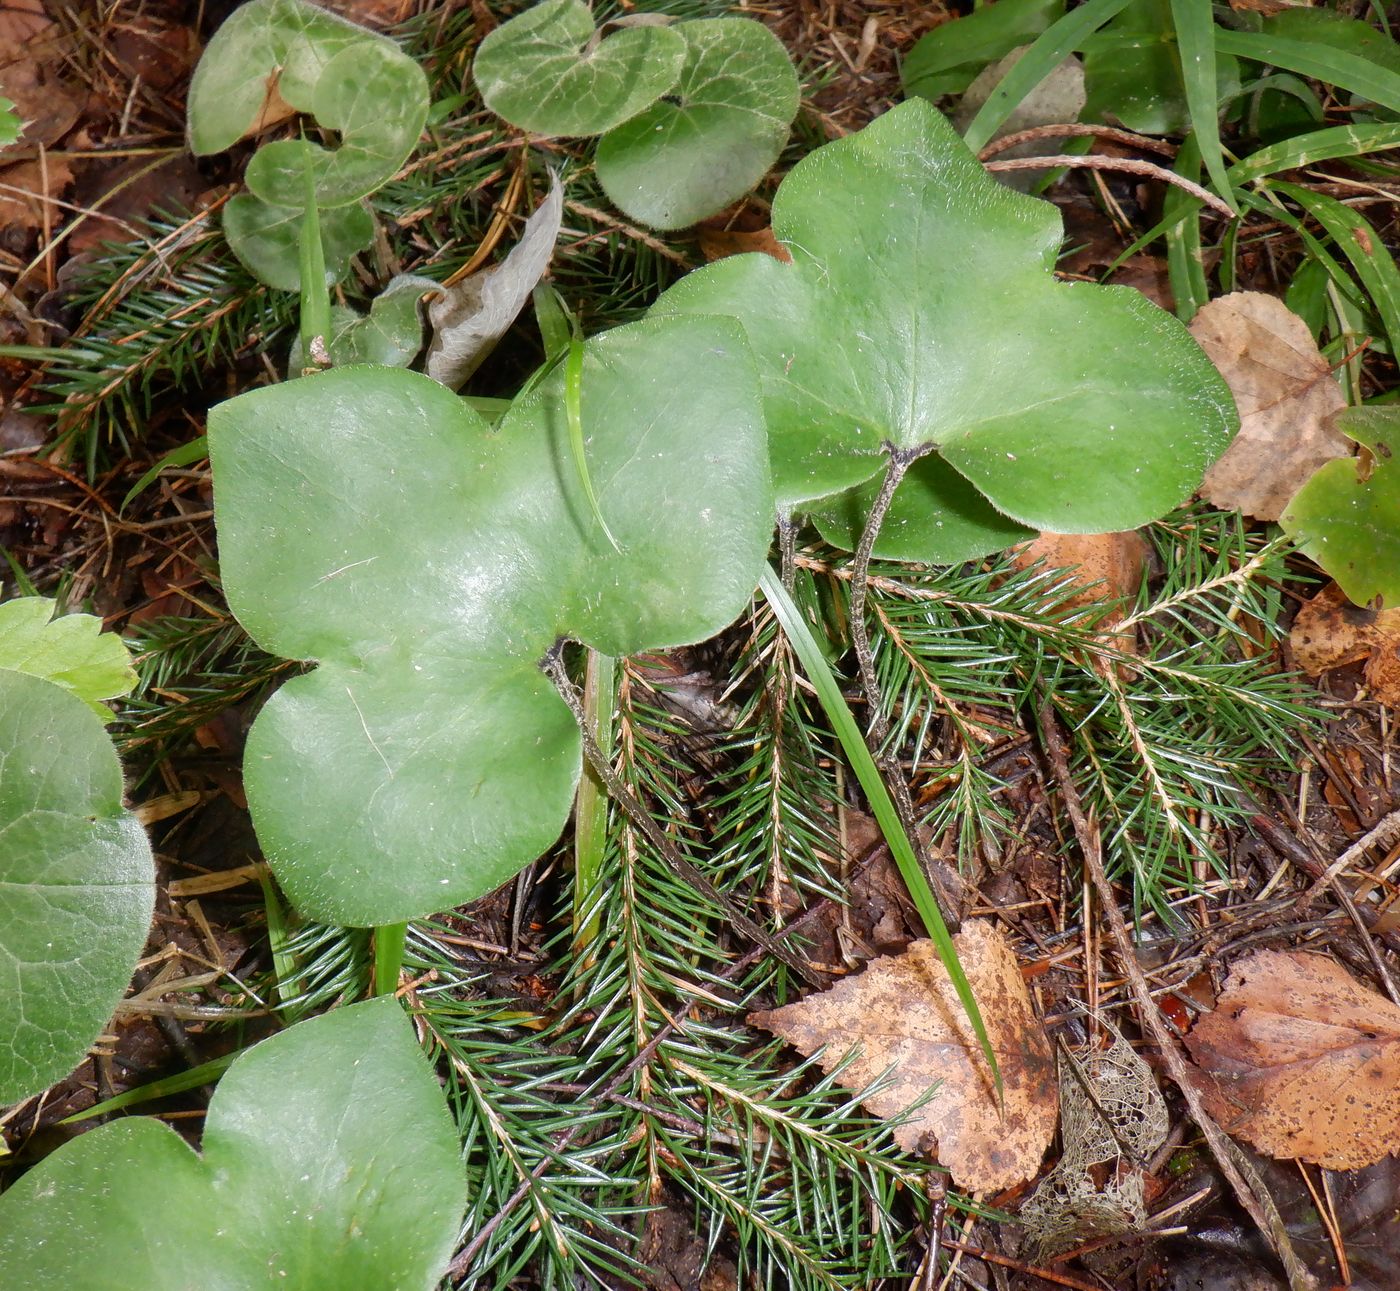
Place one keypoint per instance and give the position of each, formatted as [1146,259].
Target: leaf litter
[1286,396]
[903,1017]
[1303,1061]
[1330,632]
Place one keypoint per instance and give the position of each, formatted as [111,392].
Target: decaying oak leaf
[1330,632]
[904,1017]
[1102,566]
[1286,396]
[1305,1061]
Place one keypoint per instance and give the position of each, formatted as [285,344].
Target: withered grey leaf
[470,318]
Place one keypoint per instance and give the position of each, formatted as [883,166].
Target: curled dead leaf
[904,1015]
[717,244]
[1330,632]
[1303,1061]
[1286,396]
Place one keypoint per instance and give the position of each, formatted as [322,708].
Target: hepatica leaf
[329,1161]
[1347,517]
[352,81]
[371,522]
[72,651]
[76,883]
[714,137]
[920,310]
[548,71]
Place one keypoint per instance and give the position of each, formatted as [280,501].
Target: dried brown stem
[1077,129]
[1127,165]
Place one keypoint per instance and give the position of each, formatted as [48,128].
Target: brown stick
[1258,1204]
[1128,165]
[1077,129]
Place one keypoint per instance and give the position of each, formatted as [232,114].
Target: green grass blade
[573,409]
[591,804]
[1316,61]
[185,455]
[206,1073]
[1359,241]
[315,296]
[1318,145]
[843,722]
[1186,269]
[1046,53]
[1194,21]
[389,941]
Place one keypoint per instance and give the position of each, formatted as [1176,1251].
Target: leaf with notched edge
[1305,1061]
[903,1014]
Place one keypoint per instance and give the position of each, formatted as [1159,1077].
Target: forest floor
[108,249]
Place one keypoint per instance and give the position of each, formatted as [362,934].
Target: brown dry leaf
[1330,632]
[717,244]
[26,187]
[1104,566]
[1305,1061]
[1286,396]
[20,22]
[45,107]
[904,1015]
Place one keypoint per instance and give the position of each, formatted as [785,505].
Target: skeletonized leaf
[470,318]
[905,1018]
[1305,1061]
[72,651]
[1286,395]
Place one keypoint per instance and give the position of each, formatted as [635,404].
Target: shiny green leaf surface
[947,59]
[370,521]
[77,885]
[920,310]
[548,71]
[713,137]
[1347,517]
[329,1161]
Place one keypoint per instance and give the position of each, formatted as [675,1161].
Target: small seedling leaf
[548,72]
[1347,517]
[77,885]
[328,1161]
[920,310]
[428,564]
[714,137]
[72,651]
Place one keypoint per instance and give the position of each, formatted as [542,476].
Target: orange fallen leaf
[1286,395]
[25,189]
[1304,1061]
[904,1015]
[1330,632]
[1103,566]
[716,244]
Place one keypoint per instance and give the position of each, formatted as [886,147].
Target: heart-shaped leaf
[352,81]
[549,72]
[713,137]
[920,312]
[72,651]
[329,1161]
[1347,517]
[370,521]
[76,884]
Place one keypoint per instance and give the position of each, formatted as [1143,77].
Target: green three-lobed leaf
[370,521]
[329,1162]
[920,311]
[77,883]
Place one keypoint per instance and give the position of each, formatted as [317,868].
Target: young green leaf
[920,311]
[71,651]
[713,137]
[9,122]
[329,1161]
[77,881]
[428,564]
[548,71]
[948,58]
[1347,517]
[267,239]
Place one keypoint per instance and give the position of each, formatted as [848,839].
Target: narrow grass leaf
[1186,270]
[1316,61]
[1046,53]
[881,805]
[1195,38]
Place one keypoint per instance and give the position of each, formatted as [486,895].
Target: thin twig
[1129,165]
[553,667]
[1077,129]
[1253,1196]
